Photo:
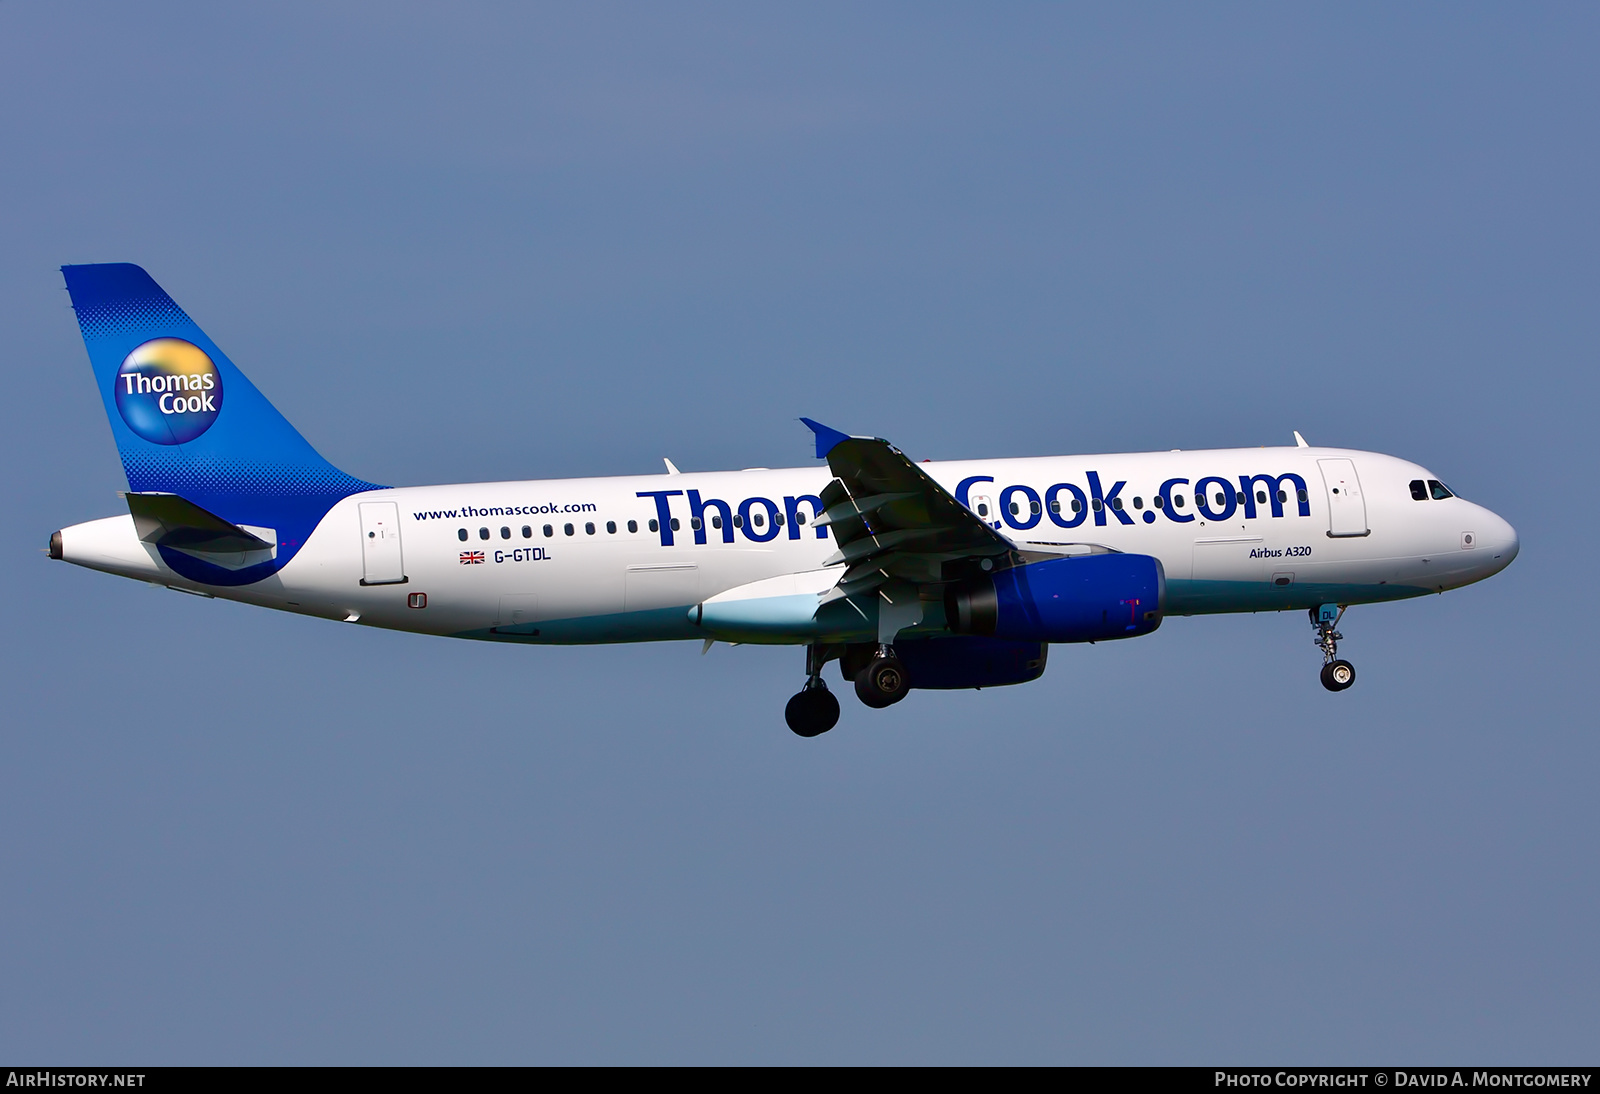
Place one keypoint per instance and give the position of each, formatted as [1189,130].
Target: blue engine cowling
[1086,598]
[945,664]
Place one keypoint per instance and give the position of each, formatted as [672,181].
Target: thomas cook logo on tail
[169,391]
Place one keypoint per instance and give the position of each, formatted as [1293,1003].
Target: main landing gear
[879,676]
[882,682]
[1337,674]
[813,711]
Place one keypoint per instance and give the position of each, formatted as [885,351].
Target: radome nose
[1509,542]
[1500,538]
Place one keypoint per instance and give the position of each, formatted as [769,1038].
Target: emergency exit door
[381,563]
[1347,509]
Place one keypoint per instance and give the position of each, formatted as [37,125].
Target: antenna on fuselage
[1299,442]
[673,470]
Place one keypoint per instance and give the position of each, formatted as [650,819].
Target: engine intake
[1087,598]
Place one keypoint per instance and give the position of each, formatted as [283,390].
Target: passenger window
[1178,501]
[1239,497]
[800,516]
[675,524]
[694,522]
[738,521]
[1033,507]
[777,520]
[758,520]
[983,510]
[1300,495]
[1077,506]
[633,526]
[548,531]
[1055,506]
[588,529]
[1222,499]
[505,533]
[1158,502]
[716,522]
[1097,504]
[483,533]
[655,525]
[1138,502]
[462,535]
[1261,497]
[527,533]
[1283,496]
[1439,490]
[568,529]
[1419,492]
[611,527]
[1116,503]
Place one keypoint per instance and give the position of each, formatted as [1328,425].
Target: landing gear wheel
[882,683]
[1338,675]
[812,712]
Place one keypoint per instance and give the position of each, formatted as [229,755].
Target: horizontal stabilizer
[168,520]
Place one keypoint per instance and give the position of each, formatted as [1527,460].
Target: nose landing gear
[1337,674]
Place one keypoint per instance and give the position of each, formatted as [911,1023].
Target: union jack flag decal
[471,558]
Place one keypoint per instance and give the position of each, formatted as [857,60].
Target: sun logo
[168,391]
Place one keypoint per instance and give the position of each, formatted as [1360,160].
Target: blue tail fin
[187,422]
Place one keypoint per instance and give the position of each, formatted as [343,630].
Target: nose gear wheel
[1338,675]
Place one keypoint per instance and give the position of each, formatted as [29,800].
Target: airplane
[932,575]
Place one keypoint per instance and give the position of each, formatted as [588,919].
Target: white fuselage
[537,561]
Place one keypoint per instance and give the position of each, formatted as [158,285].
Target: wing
[891,520]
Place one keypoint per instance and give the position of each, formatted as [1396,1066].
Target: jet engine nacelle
[1086,598]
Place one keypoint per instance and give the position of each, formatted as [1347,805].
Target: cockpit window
[1439,490]
[1419,491]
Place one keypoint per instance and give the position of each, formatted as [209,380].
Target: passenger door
[1347,509]
[381,563]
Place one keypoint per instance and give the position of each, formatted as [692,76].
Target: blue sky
[483,242]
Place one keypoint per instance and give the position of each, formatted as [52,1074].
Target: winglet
[826,438]
[1299,441]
